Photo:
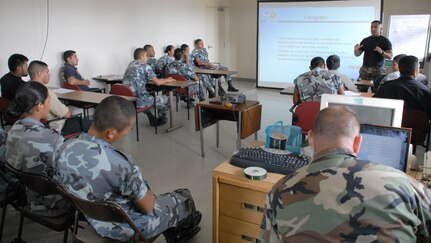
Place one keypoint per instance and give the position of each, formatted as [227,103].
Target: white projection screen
[290,34]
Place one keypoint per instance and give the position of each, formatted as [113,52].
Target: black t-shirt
[371,57]
[9,84]
[415,94]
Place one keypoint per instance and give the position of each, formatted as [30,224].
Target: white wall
[103,32]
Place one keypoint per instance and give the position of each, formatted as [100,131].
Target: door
[211,40]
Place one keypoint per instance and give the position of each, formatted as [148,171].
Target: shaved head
[336,127]
[335,122]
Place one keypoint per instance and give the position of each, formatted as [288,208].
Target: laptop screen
[385,145]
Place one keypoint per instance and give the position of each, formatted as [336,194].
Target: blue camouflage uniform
[91,169]
[161,64]
[152,63]
[202,54]
[207,81]
[312,84]
[31,147]
[187,71]
[136,77]
[339,198]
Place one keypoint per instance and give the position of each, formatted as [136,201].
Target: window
[409,34]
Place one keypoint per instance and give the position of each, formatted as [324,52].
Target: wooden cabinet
[238,204]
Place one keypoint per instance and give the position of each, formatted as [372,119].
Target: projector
[235,98]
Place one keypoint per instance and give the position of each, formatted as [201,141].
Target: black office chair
[101,211]
[11,193]
[45,186]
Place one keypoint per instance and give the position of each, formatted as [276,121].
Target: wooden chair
[101,211]
[304,115]
[124,90]
[182,92]
[45,186]
[419,122]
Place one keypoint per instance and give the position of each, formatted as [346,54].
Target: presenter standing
[376,48]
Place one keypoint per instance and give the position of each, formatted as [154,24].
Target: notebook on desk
[385,145]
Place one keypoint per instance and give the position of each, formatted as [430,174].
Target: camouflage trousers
[162,102]
[199,89]
[370,73]
[226,77]
[170,208]
[207,81]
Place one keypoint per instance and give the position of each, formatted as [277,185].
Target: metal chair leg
[21,224]
[137,127]
[3,216]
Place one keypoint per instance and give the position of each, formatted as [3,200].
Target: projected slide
[292,33]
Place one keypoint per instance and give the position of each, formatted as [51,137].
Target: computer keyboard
[271,161]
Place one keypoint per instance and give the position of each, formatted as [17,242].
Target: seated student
[110,175]
[396,72]
[137,74]
[151,56]
[165,60]
[415,94]
[39,72]
[71,73]
[333,63]
[187,71]
[31,147]
[10,82]
[207,81]
[311,85]
[340,198]
[200,58]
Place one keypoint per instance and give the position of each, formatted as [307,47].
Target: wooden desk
[239,203]
[247,117]
[109,79]
[88,97]
[364,85]
[171,86]
[215,74]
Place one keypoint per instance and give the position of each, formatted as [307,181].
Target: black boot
[231,87]
[151,118]
[185,229]
[211,93]
[161,120]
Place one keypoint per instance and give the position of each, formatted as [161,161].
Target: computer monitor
[385,145]
[376,111]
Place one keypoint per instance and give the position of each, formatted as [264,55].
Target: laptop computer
[385,145]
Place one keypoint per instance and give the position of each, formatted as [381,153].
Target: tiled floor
[173,160]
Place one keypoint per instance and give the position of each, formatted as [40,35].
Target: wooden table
[247,116]
[364,85]
[171,86]
[215,74]
[109,79]
[87,96]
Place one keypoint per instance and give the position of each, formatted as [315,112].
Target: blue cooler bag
[283,137]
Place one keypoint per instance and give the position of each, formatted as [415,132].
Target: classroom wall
[103,32]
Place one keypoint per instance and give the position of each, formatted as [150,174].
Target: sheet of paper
[350,93]
[62,91]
